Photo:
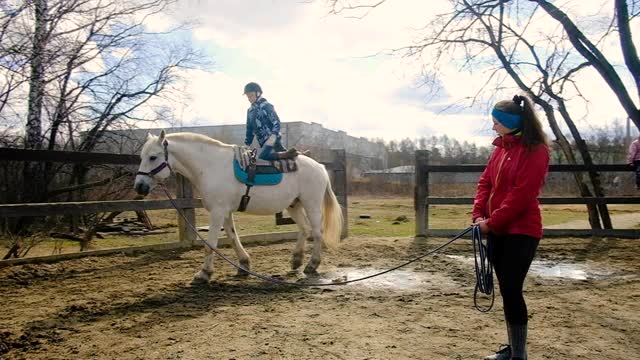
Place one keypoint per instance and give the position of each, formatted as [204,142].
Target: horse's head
[153,165]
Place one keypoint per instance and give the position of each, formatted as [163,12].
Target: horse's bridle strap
[160,167]
[156,170]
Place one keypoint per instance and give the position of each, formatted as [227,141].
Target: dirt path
[140,307]
[619,221]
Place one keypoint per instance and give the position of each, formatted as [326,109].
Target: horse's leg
[304,231]
[243,257]
[315,218]
[215,221]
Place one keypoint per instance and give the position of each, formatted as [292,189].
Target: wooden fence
[184,198]
[422,200]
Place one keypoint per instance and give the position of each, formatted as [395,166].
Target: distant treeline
[608,145]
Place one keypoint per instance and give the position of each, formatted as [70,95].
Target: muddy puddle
[551,269]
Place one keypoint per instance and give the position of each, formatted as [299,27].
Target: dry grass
[387,216]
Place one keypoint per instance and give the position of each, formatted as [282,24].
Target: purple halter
[160,167]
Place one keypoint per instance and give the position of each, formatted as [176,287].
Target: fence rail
[422,200]
[69,157]
[433,200]
[184,192]
[88,207]
[552,168]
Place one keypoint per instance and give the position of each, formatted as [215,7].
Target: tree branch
[596,58]
[626,42]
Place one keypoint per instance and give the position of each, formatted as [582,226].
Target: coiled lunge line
[484,273]
[483,268]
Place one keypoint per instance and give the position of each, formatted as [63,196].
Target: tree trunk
[627,45]
[14,252]
[80,176]
[596,59]
[594,176]
[36,79]
[87,239]
[594,218]
[33,186]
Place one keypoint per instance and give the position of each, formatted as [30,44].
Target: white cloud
[158,22]
[313,68]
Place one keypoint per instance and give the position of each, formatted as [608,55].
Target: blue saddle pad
[270,178]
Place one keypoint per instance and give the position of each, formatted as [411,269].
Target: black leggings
[511,256]
[636,165]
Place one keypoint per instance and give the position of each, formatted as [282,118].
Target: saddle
[252,171]
[266,172]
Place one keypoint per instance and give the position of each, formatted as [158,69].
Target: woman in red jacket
[506,209]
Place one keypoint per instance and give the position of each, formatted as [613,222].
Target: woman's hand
[482,222]
[484,228]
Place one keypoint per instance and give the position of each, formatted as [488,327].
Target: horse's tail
[332,220]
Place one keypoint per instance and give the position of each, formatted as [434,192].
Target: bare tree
[592,56]
[598,60]
[544,64]
[13,72]
[32,178]
[93,67]
[519,56]
[87,67]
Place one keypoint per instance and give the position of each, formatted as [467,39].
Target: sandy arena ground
[142,307]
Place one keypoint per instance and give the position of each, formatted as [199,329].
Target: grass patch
[388,216]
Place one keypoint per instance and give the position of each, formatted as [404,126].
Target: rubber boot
[505,351]
[289,154]
[503,354]
[518,336]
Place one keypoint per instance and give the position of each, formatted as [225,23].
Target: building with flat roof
[362,154]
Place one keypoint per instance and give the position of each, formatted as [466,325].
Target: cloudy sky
[334,70]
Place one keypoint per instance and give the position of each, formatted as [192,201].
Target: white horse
[208,164]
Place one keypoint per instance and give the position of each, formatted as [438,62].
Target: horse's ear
[149,136]
[162,135]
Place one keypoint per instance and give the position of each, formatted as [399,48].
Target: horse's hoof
[202,277]
[198,282]
[296,263]
[242,274]
[311,270]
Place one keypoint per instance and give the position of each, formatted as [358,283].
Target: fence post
[185,191]
[340,186]
[421,192]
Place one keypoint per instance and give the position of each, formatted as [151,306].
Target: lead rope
[282,282]
[483,268]
[484,280]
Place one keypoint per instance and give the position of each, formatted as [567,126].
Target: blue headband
[510,121]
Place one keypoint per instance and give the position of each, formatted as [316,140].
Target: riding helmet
[252,87]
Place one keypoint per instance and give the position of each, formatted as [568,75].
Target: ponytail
[531,129]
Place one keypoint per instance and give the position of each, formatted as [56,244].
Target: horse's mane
[193,137]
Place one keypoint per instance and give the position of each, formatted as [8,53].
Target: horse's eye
[153,158]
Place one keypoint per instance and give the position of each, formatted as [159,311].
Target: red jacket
[508,188]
